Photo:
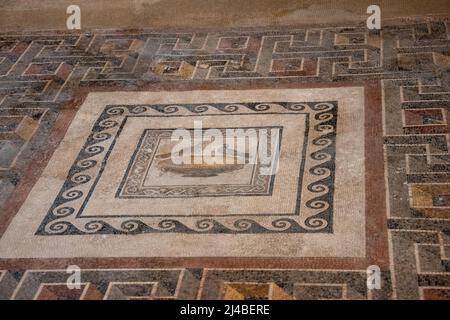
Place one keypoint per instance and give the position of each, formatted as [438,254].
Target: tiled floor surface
[364,175]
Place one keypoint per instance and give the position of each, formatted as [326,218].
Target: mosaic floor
[363,176]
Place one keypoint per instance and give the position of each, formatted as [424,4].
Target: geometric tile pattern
[43,76]
[108,284]
[230,284]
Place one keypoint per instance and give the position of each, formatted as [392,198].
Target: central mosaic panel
[155,195]
[152,173]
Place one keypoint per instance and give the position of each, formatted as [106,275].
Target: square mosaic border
[99,145]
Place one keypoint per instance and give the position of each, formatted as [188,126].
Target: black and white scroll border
[61,217]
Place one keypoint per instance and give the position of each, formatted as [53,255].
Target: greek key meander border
[326,115]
